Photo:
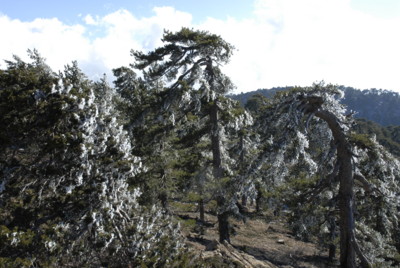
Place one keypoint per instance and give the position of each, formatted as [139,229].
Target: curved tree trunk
[346,198]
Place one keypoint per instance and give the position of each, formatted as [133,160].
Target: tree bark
[223,224]
[380,227]
[258,198]
[346,198]
[163,197]
[218,172]
[332,252]
[244,200]
[201,209]
[332,236]
[223,227]
[215,141]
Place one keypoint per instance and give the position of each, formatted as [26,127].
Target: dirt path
[262,241]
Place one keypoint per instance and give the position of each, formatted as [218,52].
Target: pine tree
[325,171]
[68,194]
[188,66]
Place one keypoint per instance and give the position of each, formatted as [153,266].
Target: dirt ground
[261,241]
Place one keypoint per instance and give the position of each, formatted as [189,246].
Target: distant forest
[377,105]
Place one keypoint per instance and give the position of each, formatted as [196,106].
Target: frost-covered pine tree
[189,67]
[68,194]
[139,105]
[326,168]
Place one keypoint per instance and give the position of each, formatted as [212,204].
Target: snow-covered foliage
[378,220]
[189,65]
[73,200]
[302,167]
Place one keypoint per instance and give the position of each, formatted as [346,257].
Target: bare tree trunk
[244,200]
[215,141]
[380,227]
[258,198]
[163,195]
[332,252]
[332,236]
[346,203]
[346,198]
[223,227]
[258,202]
[223,223]
[241,163]
[201,209]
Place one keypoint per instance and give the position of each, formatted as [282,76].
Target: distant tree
[380,106]
[387,136]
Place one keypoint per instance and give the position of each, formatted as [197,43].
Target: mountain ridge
[377,105]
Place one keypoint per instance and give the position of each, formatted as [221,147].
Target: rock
[213,245]
[280,241]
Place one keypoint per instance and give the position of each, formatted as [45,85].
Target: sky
[278,42]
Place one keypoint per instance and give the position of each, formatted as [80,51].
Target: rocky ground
[261,241]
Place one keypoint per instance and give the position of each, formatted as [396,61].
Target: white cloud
[292,42]
[58,42]
[90,20]
[99,44]
[285,42]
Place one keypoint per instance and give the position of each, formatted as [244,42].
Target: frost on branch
[72,200]
[339,176]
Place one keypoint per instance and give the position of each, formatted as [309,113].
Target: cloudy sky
[278,42]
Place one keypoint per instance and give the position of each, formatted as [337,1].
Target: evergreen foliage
[66,164]
[88,170]
[388,136]
[316,163]
[193,98]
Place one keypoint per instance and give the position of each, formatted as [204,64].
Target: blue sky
[69,11]
[279,42]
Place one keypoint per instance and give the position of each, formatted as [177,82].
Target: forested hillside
[377,105]
[100,175]
[388,136]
